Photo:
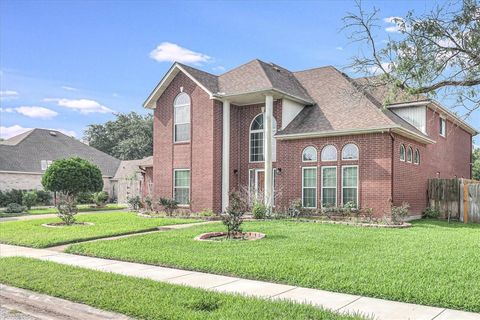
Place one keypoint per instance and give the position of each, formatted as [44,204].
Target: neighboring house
[25,157]
[128,179]
[311,135]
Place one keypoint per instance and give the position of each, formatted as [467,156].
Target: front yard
[433,263]
[31,233]
[146,299]
[53,210]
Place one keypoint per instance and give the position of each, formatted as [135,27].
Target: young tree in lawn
[69,177]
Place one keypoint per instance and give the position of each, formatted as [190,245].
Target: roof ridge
[243,64]
[25,135]
[200,70]
[315,68]
[262,63]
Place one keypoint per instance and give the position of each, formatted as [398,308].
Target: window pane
[257,124]
[309,154]
[350,152]
[310,178]
[182,99]
[329,153]
[182,195]
[182,114]
[329,177]
[329,197]
[409,154]
[182,178]
[350,176]
[309,197]
[182,132]
[349,195]
[402,152]
[256,146]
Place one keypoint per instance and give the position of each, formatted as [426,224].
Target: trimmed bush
[259,210]
[29,199]
[100,198]
[15,208]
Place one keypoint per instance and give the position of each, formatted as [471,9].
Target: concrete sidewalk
[339,302]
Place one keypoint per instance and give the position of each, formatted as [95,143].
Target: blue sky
[67,64]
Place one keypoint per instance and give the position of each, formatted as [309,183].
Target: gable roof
[24,152]
[254,76]
[334,103]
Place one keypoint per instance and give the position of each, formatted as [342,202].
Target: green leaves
[128,137]
[72,176]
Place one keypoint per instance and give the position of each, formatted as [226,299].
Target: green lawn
[50,210]
[145,299]
[433,263]
[31,233]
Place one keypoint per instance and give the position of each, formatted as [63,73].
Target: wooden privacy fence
[455,198]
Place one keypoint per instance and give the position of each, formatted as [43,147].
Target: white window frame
[253,194]
[274,140]
[402,146]
[189,186]
[44,164]
[336,153]
[316,186]
[316,154]
[443,125]
[409,148]
[358,183]
[415,156]
[336,184]
[358,152]
[175,106]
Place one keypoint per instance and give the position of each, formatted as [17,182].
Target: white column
[267,148]
[225,154]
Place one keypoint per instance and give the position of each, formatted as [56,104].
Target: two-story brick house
[310,134]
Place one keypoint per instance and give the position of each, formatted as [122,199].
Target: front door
[259,182]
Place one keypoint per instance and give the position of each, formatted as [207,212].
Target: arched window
[181,110]
[416,159]
[329,153]
[256,139]
[409,154]
[350,152]
[309,154]
[402,152]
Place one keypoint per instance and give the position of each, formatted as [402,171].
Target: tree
[430,54]
[29,199]
[128,137]
[71,177]
[476,164]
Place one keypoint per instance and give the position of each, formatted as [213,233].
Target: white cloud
[7,110]
[375,70]
[8,94]
[397,23]
[69,88]
[36,112]
[8,132]
[339,48]
[171,52]
[84,106]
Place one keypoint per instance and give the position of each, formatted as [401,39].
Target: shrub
[295,208]
[10,196]
[43,197]
[398,214]
[29,199]
[206,213]
[169,205]
[85,197]
[100,198]
[259,210]
[14,208]
[148,203]
[134,202]
[70,177]
[233,218]
[431,213]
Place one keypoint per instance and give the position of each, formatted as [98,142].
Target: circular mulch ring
[62,224]
[219,236]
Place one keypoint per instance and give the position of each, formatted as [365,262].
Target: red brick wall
[240,119]
[374,168]
[202,154]
[449,156]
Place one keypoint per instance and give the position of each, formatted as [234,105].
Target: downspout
[392,164]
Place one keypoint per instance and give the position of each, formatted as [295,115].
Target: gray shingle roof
[25,152]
